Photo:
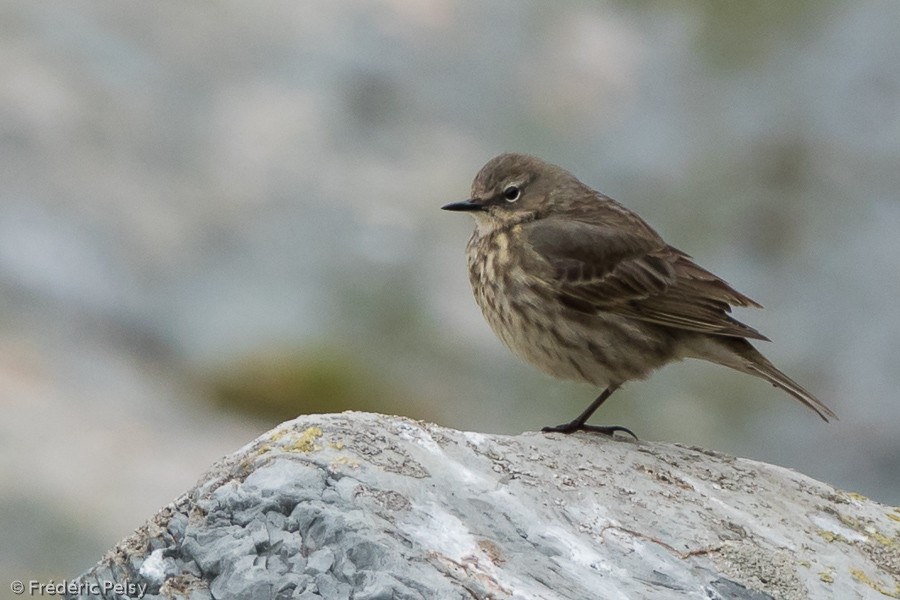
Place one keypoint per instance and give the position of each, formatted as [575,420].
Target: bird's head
[512,188]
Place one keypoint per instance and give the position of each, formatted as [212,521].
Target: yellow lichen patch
[855,496]
[860,576]
[344,461]
[306,441]
[882,539]
[827,576]
[279,434]
[895,515]
[830,536]
[851,523]
[868,530]
[336,445]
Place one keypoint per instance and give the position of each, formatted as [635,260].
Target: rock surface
[370,507]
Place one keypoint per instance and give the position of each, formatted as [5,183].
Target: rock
[368,506]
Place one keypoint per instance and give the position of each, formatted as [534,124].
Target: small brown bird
[582,288]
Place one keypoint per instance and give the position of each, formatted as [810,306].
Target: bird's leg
[578,424]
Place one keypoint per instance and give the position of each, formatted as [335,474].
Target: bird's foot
[574,426]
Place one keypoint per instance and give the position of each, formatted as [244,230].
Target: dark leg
[578,424]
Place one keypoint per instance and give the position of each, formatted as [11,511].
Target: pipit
[582,288]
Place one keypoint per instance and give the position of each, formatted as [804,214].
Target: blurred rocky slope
[208,213]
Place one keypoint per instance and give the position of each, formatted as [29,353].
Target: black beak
[465,205]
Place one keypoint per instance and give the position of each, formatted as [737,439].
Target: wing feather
[631,271]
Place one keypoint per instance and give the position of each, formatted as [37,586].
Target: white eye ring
[512,193]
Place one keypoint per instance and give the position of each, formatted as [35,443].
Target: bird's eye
[512,193]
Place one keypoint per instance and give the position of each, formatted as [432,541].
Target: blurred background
[217,216]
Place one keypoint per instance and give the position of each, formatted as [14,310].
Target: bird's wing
[597,267]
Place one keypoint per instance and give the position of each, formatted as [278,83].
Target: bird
[582,288]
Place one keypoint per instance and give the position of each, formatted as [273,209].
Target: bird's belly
[600,349]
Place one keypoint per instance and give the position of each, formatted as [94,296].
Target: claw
[573,426]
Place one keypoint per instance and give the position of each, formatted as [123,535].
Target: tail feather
[770,373]
[739,354]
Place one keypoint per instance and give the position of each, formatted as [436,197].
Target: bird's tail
[741,355]
[770,373]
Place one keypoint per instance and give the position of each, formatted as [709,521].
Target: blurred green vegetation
[278,384]
[738,35]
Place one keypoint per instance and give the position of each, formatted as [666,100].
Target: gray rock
[320,561]
[373,507]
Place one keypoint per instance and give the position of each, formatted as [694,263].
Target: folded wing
[631,271]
